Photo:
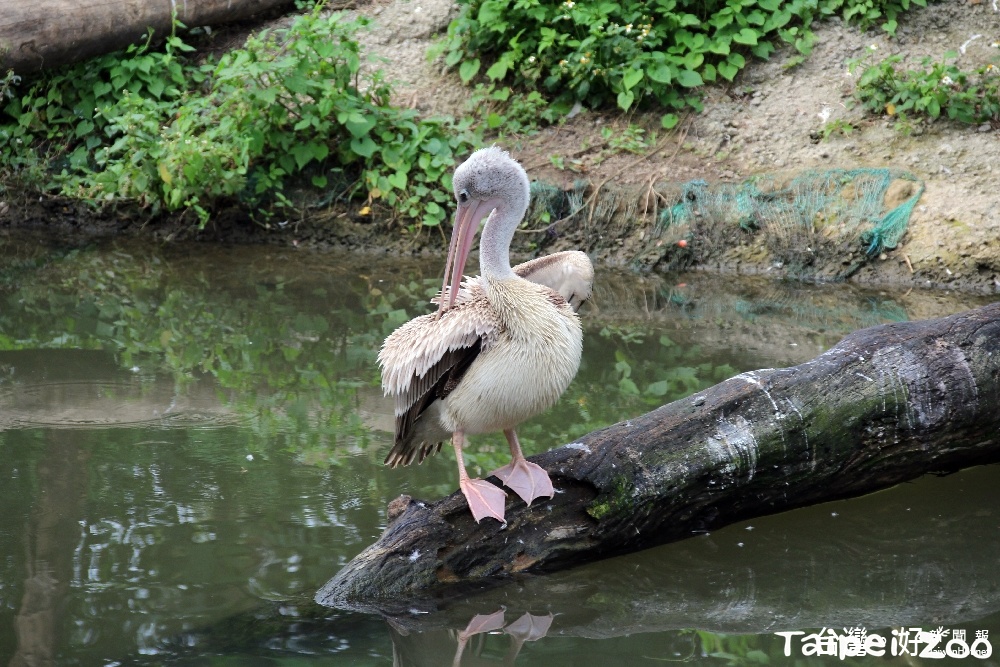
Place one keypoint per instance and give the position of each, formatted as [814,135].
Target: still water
[191,441]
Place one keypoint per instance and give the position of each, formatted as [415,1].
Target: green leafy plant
[7,84]
[561,163]
[64,120]
[937,88]
[632,139]
[624,53]
[836,126]
[504,112]
[173,134]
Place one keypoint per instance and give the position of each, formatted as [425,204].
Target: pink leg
[484,499]
[526,479]
[478,625]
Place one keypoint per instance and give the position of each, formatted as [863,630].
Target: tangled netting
[842,204]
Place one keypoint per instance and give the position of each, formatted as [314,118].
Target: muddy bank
[608,221]
[768,122]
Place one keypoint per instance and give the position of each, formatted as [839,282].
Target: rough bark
[887,404]
[47,33]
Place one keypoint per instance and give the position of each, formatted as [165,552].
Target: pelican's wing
[424,360]
[568,273]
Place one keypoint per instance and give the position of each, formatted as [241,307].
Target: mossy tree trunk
[47,33]
[887,404]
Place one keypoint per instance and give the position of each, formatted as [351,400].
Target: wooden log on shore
[47,33]
[885,405]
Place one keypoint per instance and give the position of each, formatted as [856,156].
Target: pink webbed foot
[484,499]
[526,479]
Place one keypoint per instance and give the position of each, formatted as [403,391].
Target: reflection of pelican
[500,349]
[528,628]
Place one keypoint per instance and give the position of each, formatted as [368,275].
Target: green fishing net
[823,223]
[841,204]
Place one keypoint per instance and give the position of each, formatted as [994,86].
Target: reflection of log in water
[886,405]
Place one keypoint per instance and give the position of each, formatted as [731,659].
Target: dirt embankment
[771,120]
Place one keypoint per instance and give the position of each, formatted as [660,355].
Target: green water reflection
[191,443]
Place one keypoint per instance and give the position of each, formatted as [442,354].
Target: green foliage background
[632,51]
[174,133]
[177,133]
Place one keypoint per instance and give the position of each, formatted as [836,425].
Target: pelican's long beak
[467,219]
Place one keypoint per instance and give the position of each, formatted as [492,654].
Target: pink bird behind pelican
[501,347]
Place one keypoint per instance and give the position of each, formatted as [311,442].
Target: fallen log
[885,405]
[882,562]
[47,33]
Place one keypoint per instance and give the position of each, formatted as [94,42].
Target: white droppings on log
[578,445]
[920,394]
[751,377]
[734,444]
[962,364]
[565,532]
[929,402]
[885,363]
[717,450]
[805,435]
[795,408]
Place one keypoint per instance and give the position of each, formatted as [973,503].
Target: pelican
[501,348]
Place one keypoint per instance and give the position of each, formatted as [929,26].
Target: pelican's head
[490,179]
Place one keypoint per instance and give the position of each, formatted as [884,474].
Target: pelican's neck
[494,244]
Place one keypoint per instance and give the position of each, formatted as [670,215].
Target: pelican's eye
[463,197]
